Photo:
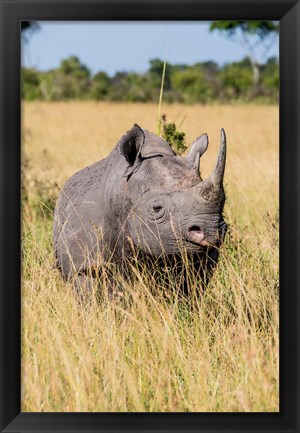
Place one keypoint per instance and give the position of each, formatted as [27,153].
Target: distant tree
[118,77]
[155,72]
[139,89]
[211,74]
[30,84]
[250,34]
[100,86]
[119,88]
[27,28]
[236,79]
[270,77]
[70,81]
[25,25]
[180,67]
[73,66]
[192,85]
[130,87]
[209,67]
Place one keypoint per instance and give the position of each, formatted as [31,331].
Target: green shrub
[172,135]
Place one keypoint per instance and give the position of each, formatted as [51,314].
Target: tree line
[204,82]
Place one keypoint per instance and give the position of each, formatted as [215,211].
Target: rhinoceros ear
[197,148]
[131,144]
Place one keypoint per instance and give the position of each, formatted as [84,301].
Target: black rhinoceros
[143,198]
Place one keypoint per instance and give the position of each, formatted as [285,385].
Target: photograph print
[150,216]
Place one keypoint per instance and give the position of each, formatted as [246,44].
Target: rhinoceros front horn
[217,175]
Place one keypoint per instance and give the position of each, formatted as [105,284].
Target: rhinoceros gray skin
[142,197]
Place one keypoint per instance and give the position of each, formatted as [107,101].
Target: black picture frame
[12,12]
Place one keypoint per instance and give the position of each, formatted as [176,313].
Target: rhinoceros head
[169,204]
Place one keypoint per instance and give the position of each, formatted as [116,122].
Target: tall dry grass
[151,352]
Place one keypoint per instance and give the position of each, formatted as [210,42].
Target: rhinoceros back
[79,219]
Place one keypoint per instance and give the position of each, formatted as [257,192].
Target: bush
[173,136]
[192,85]
[236,80]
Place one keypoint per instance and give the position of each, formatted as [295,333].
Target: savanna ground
[154,353]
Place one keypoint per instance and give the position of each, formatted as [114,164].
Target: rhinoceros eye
[157,212]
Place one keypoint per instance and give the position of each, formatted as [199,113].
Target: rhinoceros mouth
[196,236]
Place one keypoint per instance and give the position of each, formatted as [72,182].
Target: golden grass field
[214,354]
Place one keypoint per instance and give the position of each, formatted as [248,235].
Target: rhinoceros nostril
[195,229]
[196,235]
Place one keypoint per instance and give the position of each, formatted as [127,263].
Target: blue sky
[128,46]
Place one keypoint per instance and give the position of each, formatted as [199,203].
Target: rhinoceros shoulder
[82,182]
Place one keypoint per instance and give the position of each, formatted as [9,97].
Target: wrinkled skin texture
[141,199]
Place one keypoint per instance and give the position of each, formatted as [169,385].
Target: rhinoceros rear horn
[197,148]
[131,143]
[217,175]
